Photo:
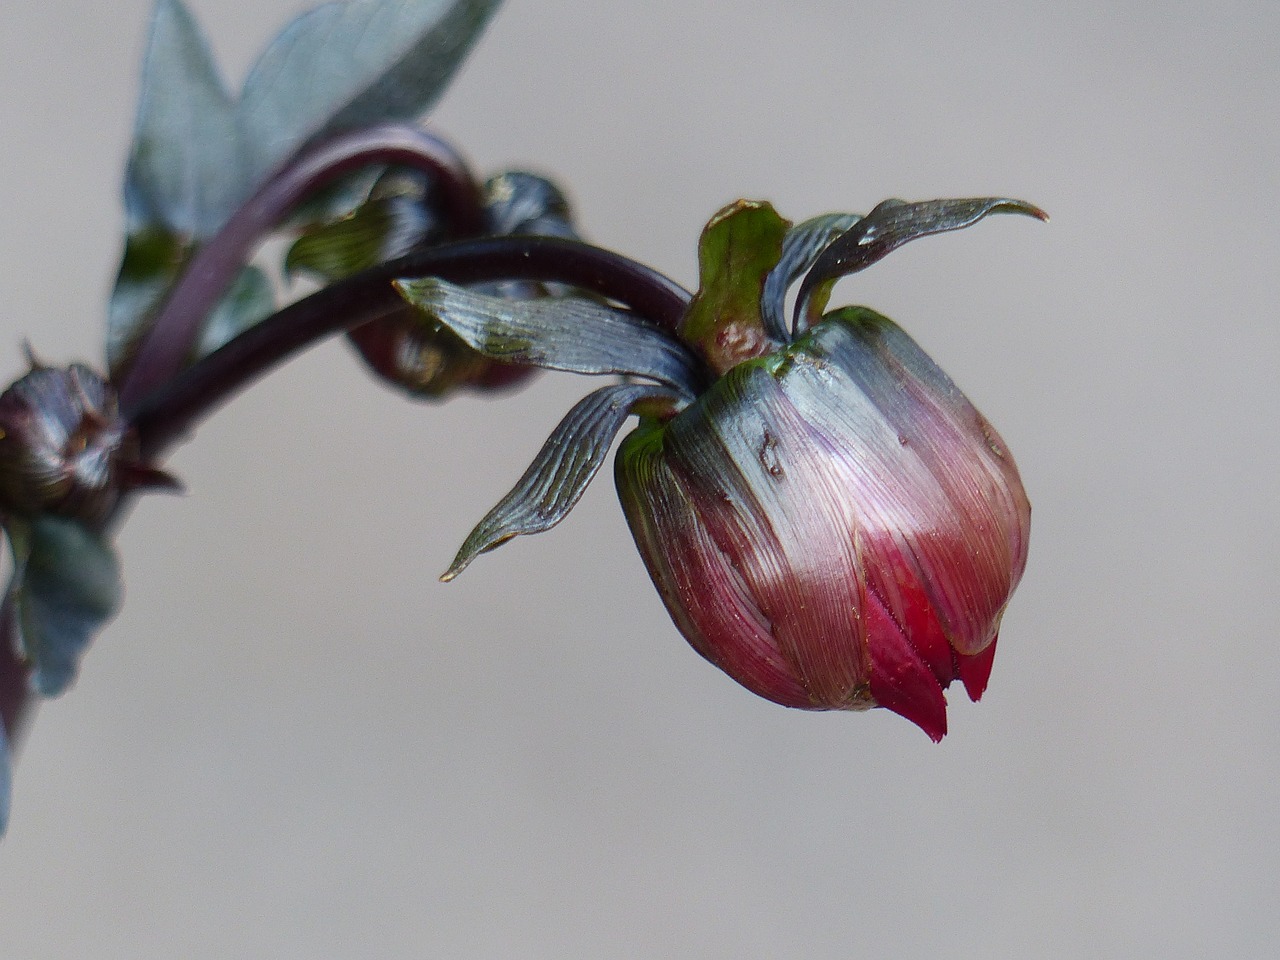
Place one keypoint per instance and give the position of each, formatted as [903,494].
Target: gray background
[295,743]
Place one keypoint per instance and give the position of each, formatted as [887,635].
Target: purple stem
[15,701]
[170,412]
[215,265]
[165,408]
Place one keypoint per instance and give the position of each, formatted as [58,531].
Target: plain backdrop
[295,743]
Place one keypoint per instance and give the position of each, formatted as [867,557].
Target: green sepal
[738,248]
[888,226]
[557,333]
[65,588]
[802,246]
[561,471]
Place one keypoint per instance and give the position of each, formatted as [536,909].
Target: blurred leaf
[377,231]
[563,333]
[348,65]
[560,473]
[66,585]
[525,203]
[185,169]
[197,153]
[250,299]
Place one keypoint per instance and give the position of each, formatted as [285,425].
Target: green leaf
[887,227]
[348,65]
[738,248]
[800,248]
[379,230]
[557,333]
[250,299]
[185,169]
[560,473]
[66,587]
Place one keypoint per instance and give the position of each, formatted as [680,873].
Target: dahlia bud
[826,516]
[61,441]
[834,526]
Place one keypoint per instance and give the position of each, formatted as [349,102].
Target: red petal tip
[975,670]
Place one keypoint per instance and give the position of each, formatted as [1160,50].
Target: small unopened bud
[64,448]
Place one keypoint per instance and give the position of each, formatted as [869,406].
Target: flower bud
[833,525]
[63,447]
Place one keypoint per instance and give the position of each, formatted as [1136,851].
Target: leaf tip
[1019,206]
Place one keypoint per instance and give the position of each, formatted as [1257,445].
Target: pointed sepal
[887,227]
[562,333]
[561,471]
[800,248]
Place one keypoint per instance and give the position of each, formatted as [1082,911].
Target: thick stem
[217,263]
[168,413]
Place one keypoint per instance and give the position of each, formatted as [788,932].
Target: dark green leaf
[66,584]
[250,299]
[185,170]
[559,475]
[891,224]
[349,65]
[562,333]
[379,230]
[800,248]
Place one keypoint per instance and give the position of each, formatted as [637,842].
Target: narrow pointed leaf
[559,475]
[891,224]
[66,585]
[185,168]
[348,65]
[800,248]
[563,333]
[184,174]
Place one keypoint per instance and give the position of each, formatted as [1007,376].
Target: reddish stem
[215,265]
[171,411]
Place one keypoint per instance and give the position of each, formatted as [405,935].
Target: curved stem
[169,412]
[216,264]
